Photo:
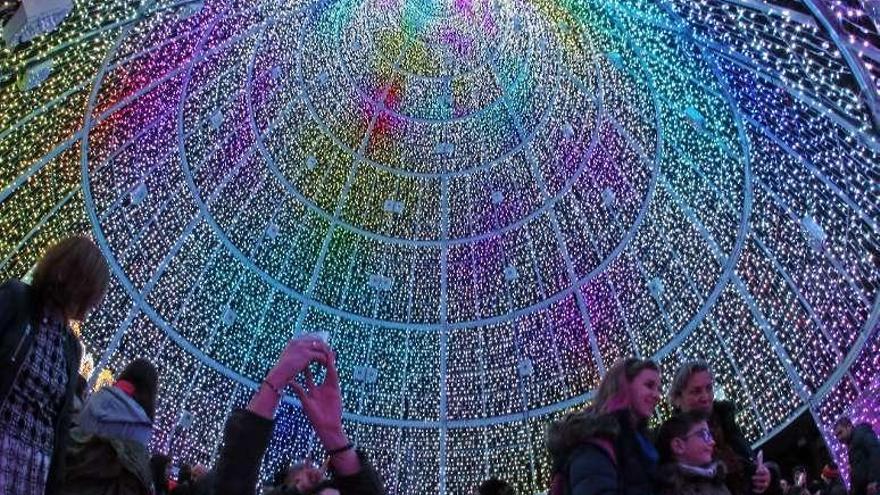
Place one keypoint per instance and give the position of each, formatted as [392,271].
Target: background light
[484,203]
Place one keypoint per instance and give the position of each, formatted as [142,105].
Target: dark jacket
[98,465]
[864,458]
[245,441]
[675,479]
[600,454]
[724,417]
[18,320]
[732,448]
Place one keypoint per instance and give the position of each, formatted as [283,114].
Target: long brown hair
[71,277]
[613,393]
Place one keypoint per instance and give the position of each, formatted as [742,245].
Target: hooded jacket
[113,413]
[676,479]
[600,454]
[107,453]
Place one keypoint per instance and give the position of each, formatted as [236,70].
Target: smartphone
[323,336]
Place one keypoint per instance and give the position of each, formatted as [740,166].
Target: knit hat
[830,472]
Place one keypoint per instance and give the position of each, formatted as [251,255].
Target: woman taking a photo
[39,362]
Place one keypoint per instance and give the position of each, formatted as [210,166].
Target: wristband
[341,449]
[272,388]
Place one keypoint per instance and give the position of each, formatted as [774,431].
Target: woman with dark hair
[108,448]
[605,448]
[39,362]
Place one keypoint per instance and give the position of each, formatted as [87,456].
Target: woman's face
[698,394]
[644,392]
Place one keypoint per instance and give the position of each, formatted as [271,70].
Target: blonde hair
[683,376]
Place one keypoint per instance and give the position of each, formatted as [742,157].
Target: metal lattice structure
[485,204]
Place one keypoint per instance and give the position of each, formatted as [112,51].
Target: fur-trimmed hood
[574,429]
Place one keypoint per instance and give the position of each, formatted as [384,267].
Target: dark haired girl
[108,449]
[39,362]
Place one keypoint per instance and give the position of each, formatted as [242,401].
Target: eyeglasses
[703,433]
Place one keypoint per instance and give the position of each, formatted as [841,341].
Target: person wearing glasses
[692,390]
[687,464]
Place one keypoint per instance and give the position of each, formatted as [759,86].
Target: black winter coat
[674,479]
[601,454]
[734,450]
[18,317]
[99,465]
[864,458]
[832,487]
[245,441]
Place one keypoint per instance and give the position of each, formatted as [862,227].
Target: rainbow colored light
[485,203]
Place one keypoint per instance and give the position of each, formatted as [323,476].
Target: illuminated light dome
[484,203]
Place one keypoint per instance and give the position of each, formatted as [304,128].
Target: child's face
[695,448]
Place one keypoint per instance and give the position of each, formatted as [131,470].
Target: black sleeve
[732,432]
[873,450]
[364,482]
[14,307]
[592,472]
[245,440]
[8,313]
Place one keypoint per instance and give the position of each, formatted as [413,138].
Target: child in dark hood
[686,454]
[107,452]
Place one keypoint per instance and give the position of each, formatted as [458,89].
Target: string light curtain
[484,203]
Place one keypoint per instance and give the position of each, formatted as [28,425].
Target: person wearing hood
[863,449]
[686,451]
[605,449]
[692,390]
[107,453]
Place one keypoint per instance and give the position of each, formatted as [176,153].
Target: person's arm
[248,432]
[293,360]
[365,482]
[592,472]
[322,404]
[762,478]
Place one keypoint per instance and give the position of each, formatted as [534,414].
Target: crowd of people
[55,438]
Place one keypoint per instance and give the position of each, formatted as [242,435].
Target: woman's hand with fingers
[322,403]
[295,359]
